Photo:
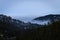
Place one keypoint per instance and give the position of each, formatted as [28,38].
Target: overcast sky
[29,7]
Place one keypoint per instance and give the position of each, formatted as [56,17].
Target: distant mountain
[14,23]
[49,17]
[12,29]
[11,21]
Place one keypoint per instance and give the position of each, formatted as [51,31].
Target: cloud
[29,7]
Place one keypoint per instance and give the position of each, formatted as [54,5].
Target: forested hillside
[12,29]
[50,32]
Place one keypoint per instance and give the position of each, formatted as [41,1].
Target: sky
[29,8]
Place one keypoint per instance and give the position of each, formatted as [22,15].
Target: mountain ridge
[48,17]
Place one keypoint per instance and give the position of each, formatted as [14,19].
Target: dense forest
[50,32]
[12,29]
